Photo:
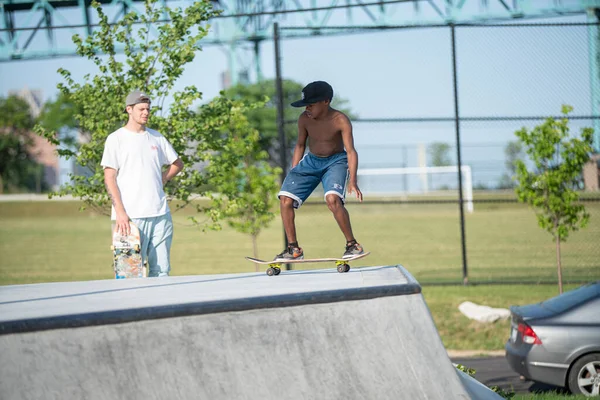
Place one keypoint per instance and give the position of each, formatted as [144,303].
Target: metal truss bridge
[35,29]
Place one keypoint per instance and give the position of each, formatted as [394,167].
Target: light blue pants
[156,235]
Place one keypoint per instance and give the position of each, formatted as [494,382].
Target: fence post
[594,55]
[458,159]
[280,116]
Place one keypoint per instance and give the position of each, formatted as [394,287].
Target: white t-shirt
[138,159]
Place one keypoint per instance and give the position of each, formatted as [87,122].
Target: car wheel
[584,377]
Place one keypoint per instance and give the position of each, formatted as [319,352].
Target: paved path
[495,371]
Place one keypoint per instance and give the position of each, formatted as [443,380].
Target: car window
[572,298]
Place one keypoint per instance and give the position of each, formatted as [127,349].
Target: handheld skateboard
[275,265]
[127,255]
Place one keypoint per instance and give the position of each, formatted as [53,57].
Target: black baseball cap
[313,93]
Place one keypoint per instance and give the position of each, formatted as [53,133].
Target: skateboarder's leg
[340,213]
[159,248]
[293,251]
[297,186]
[288,216]
[335,179]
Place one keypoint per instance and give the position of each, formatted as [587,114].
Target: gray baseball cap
[136,97]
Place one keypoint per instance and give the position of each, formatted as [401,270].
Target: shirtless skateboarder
[331,160]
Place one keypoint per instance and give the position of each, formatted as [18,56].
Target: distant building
[225,80]
[41,150]
[32,97]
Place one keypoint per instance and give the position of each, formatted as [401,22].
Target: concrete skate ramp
[366,334]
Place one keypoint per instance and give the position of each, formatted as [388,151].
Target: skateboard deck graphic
[275,265]
[127,256]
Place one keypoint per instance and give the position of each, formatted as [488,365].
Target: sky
[406,73]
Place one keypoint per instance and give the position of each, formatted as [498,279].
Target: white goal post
[424,172]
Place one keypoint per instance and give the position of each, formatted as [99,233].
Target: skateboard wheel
[270,271]
[137,248]
[341,268]
[277,270]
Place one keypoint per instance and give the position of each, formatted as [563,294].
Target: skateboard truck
[342,266]
[275,268]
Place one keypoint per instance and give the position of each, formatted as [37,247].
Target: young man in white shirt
[133,161]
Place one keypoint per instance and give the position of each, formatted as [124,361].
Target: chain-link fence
[474,85]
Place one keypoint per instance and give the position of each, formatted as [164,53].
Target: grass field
[52,241]
[460,333]
[548,396]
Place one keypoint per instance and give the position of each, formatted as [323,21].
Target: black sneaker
[352,250]
[290,253]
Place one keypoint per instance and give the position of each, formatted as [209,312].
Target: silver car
[557,341]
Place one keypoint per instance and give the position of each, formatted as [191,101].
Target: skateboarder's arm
[301,142]
[110,181]
[348,139]
[172,170]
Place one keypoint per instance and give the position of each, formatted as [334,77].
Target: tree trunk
[255,250]
[558,263]
[1,185]
[38,180]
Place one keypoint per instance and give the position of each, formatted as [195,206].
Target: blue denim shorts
[302,180]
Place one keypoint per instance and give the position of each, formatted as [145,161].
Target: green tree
[440,154]
[549,187]
[153,62]
[155,56]
[59,114]
[245,184]
[513,151]
[264,119]
[18,170]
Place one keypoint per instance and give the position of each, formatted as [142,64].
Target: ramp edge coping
[211,307]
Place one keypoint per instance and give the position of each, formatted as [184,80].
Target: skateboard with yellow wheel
[341,264]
